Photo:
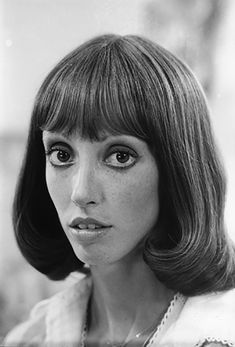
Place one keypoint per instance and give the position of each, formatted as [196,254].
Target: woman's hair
[130,85]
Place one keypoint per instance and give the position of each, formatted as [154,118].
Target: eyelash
[58,149]
[116,150]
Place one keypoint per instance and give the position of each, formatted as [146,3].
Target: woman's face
[105,194]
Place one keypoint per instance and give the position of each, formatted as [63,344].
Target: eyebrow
[102,138]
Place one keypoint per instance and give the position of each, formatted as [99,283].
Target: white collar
[67,312]
[186,320]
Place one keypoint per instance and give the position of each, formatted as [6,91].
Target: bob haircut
[130,85]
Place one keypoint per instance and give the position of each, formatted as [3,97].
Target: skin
[92,182]
[115,181]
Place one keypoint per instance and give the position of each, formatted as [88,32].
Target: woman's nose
[85,187]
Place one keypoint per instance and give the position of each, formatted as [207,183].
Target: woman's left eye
[121,158]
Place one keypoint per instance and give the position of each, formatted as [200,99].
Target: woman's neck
[127,298]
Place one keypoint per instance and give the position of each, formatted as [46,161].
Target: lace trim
[171,306]
[226,343]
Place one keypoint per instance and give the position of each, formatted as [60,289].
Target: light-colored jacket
[188,322]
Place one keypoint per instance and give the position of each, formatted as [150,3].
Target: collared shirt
[188,322]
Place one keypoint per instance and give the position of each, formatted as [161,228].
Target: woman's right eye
[59,156]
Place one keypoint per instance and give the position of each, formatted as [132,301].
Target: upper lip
[75,222]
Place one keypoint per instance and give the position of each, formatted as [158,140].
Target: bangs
[94,91]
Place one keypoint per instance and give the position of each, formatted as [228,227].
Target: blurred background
[35,34]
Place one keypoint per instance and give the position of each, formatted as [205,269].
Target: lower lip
[89,235]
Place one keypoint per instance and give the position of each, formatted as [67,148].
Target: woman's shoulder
[214,315]
[33,330]
[213,311]
[53,319]
[206,319]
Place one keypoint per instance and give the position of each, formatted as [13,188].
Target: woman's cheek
[58,189]
[139,196]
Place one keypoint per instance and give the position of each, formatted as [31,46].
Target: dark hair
[129,85]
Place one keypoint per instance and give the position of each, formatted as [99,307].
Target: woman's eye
[59,157]
[121,158]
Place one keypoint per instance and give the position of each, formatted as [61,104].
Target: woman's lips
[89,235]
[87,223]
[87,230]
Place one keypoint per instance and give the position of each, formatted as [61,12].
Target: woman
[121,181]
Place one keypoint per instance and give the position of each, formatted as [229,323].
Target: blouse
[203,320]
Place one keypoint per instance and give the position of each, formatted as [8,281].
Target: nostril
[82,202]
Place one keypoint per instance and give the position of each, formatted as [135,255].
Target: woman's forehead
[104,136]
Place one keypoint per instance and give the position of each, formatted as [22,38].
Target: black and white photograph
[117,204]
